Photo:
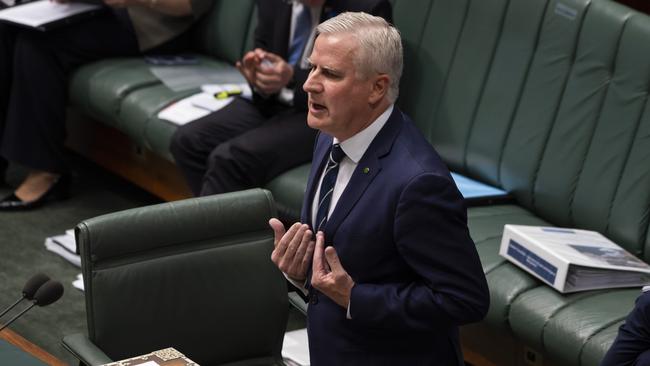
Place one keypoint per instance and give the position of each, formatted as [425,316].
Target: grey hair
[380,45]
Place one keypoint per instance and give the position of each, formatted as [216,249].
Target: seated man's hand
[248,66]
[273,73]
[293,249]
[328,275]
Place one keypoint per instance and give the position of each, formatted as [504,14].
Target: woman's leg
[35,125]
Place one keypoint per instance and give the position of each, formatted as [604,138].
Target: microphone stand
[11,307]
[17,316]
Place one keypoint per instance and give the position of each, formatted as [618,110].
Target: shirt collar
[356,146]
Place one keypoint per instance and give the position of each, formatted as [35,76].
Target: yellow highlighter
[227,93]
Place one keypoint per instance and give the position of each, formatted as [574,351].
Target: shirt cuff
[298,285]
[348,315]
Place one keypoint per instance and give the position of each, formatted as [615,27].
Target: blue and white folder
[571,260]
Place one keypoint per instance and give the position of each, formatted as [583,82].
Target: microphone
[30,288]
[48,293]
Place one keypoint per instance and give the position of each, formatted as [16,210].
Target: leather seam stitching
[558,106]
[486,77]
[596,123]
[521,92]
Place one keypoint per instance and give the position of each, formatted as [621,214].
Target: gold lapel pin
[366,170]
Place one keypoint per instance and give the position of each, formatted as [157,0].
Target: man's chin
[313,122]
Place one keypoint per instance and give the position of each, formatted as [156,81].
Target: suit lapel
[368,168]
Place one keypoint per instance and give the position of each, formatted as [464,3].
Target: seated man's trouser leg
[35,121]
[241,147]
[632,343]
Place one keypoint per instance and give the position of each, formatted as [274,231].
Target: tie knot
[337,154]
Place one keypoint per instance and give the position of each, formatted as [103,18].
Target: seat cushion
[506,281]
[123,93]
[99,88]
[572,328]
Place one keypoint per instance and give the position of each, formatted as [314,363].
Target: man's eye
[330,74]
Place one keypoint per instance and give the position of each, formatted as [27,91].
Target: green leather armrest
[298,302]
[83,349]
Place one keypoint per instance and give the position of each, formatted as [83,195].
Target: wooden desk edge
[34,350]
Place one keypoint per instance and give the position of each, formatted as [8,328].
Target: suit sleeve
[449,286]
[632,344]
[264,28]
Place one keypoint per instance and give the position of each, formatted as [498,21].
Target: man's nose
[310,85]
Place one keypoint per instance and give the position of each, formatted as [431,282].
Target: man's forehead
[338,48]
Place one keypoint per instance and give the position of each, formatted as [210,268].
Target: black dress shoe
[60,190]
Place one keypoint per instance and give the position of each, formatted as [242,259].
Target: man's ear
[380,87]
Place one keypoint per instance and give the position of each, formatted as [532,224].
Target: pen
[227,93]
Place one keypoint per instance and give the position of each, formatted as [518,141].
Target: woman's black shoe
[60,190]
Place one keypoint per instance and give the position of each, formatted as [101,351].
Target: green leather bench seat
[124,94]
[562,325]
[99,88]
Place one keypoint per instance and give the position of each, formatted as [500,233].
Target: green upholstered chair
[195,275]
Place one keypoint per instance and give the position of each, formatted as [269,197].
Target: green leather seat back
[518,40]
[193,274]
[410,17]
[540,97]
[608,184]
[433,62]
[575,150]
[222,33]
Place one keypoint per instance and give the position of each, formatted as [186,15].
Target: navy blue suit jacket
[400,230]
[632,344]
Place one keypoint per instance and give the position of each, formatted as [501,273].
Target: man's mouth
[317,107]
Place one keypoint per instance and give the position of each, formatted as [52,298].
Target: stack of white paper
[65,246]
[200,105]
[295,348]
[79,282]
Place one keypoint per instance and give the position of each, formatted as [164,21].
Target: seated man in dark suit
[632,345]
[392,271]
[248,143]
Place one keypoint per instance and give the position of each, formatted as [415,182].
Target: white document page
[38,13]
[295,348]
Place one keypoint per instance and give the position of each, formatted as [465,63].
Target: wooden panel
[115,152]
[34,350]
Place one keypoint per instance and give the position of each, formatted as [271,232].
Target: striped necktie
[300,35]
[327,186]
